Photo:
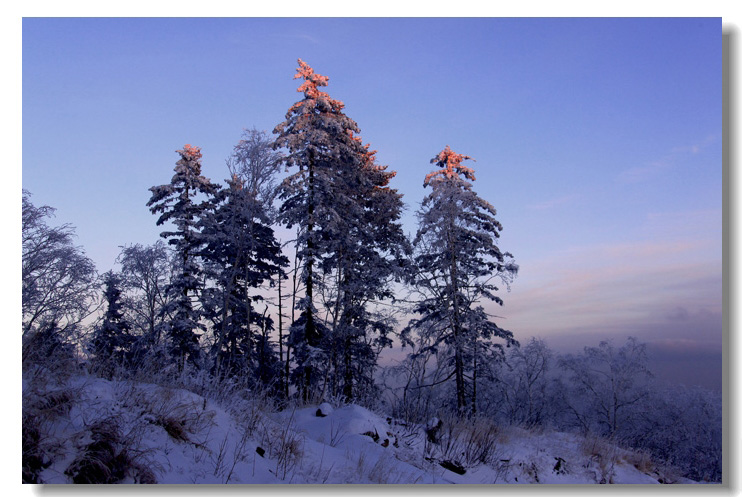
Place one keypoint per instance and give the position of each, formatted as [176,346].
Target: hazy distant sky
[599,141]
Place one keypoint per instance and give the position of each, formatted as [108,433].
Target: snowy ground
[155,434]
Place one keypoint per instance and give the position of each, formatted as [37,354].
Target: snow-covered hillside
[93,430]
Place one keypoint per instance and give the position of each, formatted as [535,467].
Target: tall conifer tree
[340,200]
[112,340]
[318,138]
[182,202]
[456,263]
[241,253]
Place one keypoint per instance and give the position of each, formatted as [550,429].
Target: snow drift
[90,430]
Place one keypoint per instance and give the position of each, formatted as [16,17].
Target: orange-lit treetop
[314,122]
[310,87]
[193,153]
[450,161]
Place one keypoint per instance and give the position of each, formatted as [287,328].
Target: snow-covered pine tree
[241,253]
[456,265]
[318,138]
[257,164]
[348,234]
[372,257]
[182,203]
[112,342]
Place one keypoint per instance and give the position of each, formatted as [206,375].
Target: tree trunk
[457,332]
[310,329]
[474,382]
[348,366]
[283,379]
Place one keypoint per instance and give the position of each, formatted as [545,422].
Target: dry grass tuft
[110,457]
[283,444]
[33,459]
[175,427]
[640,460]
[104,459]
[179,417]
[470,442]
[40,408]
[382,472]
[604,453]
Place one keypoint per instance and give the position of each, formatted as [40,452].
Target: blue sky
[599,141]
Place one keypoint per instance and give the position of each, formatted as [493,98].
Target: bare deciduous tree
[60,283]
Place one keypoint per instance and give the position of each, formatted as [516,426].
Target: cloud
[660,290]
[667,292]
[678,314]
[292,37]
[654,168]
[679,225]
[306,37]
[642,173]
[696,147]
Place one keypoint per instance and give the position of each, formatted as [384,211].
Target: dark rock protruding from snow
[453,466]
[374,436]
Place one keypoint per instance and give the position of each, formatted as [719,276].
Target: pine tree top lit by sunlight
[450,161]
[312,94]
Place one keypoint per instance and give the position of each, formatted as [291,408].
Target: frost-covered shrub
[679,427]
[46,352]
[516,390]
[682,427]
[34,459]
